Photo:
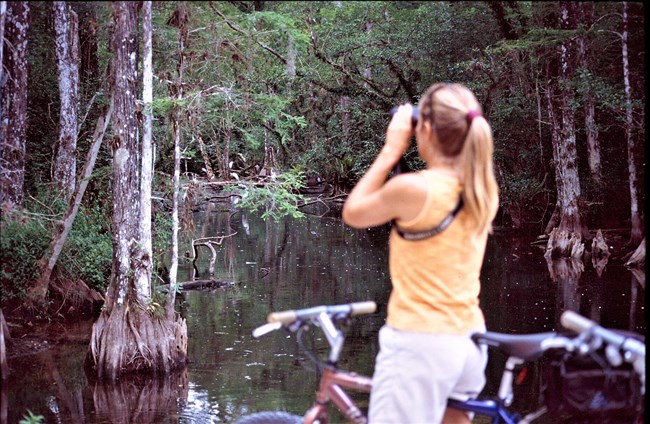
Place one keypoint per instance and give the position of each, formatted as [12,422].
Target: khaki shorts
[415,374]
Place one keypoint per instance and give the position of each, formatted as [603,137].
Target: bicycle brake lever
[295,326]
[266,328]
[342,318]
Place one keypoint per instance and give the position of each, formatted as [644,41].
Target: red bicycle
[587,339]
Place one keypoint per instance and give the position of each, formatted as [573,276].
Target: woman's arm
[375,201]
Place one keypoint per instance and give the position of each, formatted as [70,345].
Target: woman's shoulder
[441,178]
[441,172]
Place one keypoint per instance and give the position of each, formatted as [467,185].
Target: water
[292,264]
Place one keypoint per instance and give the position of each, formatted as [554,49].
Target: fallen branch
[198,285]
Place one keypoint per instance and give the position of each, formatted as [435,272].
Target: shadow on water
[298,263]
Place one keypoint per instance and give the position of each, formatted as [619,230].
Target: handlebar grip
[575,322]
[285,317]
[359,308]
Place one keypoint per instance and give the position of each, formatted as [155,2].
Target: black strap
[421,235]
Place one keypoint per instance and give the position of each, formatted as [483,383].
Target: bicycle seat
[525,346]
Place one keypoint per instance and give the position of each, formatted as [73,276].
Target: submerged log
[198,285]
[564,245]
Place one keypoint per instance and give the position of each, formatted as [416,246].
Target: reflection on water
[299,263]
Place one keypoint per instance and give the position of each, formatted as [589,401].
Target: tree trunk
[591,127]
[225,157]
[49,259]
[637,226]
[88,60]
[571,226]
[144,252]
[181,15]
[209,172]
[3,14]
[130,335]
[173,268]
[4,337]
[13,115]
[637,259]
[555,142]
[67,59]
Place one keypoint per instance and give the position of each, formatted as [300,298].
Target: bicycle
[587,338]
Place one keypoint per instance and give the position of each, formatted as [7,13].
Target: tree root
[130,339]
[561,244]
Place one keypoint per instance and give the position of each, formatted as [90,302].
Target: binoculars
[414,115]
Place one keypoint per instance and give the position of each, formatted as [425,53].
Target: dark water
[293,264]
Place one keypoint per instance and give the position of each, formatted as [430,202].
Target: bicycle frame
[331,389]
[334,381]
[487,408]
[519,349]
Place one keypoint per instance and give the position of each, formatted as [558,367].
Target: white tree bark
[13,106]
[571,226]
[173,268]
[143,273]
[637,230]
[567,149]
[3,14]
[67,59]
[130,336]
[124,147]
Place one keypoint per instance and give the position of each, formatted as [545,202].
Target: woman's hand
[399,132]
[374,200]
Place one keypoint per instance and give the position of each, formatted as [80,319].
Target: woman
[426,354]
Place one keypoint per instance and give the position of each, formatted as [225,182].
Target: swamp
[269,266]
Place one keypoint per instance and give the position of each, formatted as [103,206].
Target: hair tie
[471,115]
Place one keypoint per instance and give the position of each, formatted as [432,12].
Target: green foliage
[161,241]
[30,418]
[276,198]
[354,61]
[22,244]
[87,253]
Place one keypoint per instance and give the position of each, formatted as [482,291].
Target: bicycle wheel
[270,417]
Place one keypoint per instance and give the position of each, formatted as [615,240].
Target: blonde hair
[463,134]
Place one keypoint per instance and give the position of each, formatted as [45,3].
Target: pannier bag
[589,386]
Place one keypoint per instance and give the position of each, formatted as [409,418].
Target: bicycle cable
[319,365]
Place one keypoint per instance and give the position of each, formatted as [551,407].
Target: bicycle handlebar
[576,322]
[289,316]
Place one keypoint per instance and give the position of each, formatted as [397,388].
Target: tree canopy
[302,90]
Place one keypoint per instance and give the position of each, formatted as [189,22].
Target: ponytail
[480,190]
[464,135]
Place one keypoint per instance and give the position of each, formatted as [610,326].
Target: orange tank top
[436,281]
